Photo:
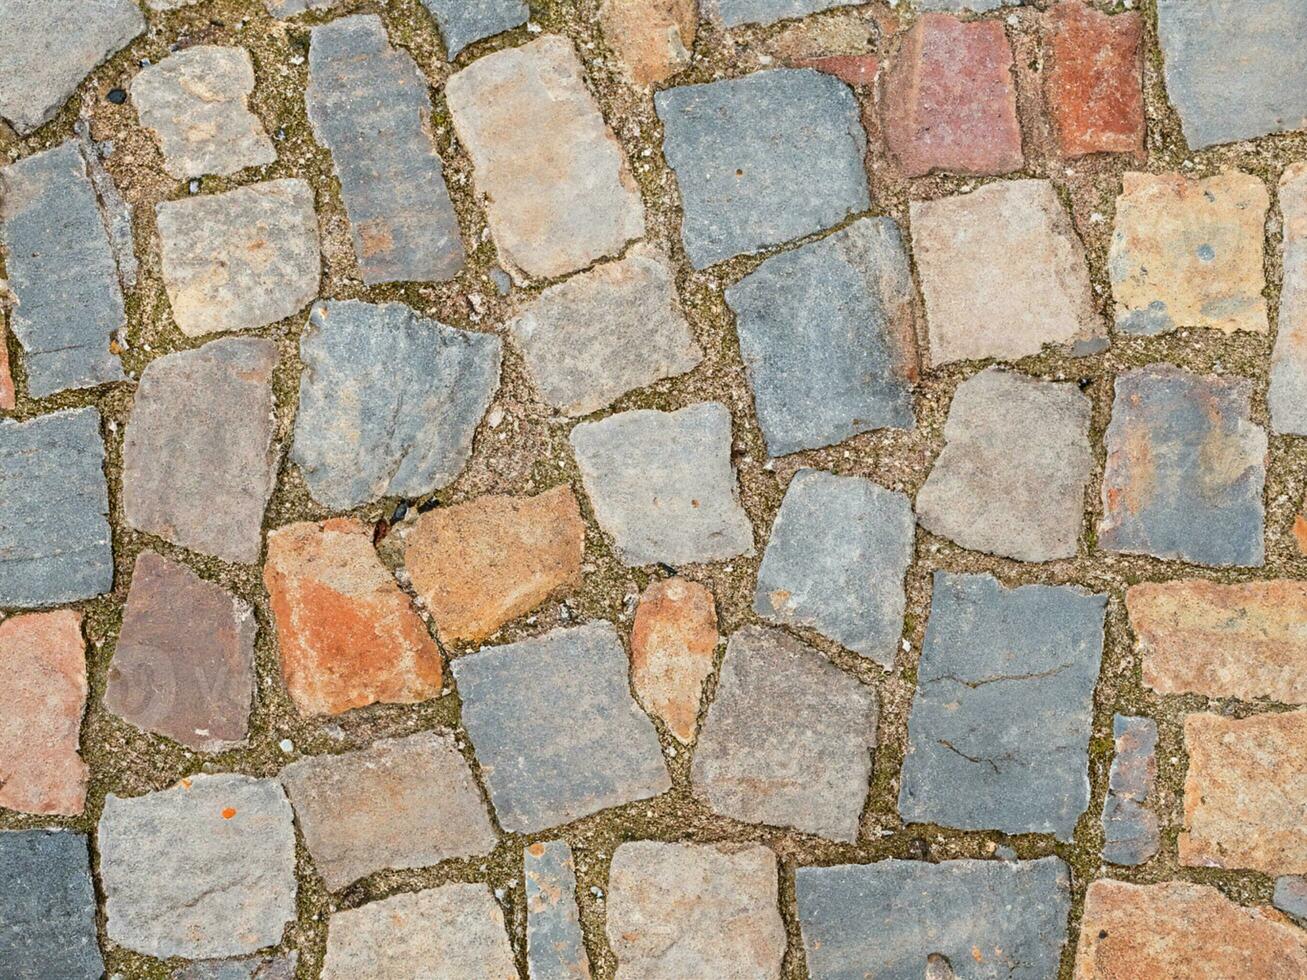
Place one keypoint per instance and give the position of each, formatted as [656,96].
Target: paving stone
[694,910]
[733,13]
[788,738]
[1011,477]
[203,869]
[1244,805]
[672,643]
[1003,273]
[455,930]
[463,22]
[115,213]
[289,8]
[47,907]
[1130,834]
[652,39]
[1094,86]
[948,102]
[555,948]
[389,401]
[1288,392]
[975,6]
[481,564]
[835,562]
[1188,253]
[1185,469]
[852,69]
[555,729]
[605,332]
[49,48]
[558,191]
[8,394]
[1291,895]
[1181,929]
[1226,65]
[368,105]
[184,663]
[998,738]
[902,918]
[746,181]
[169,4]
[401,803]
[348,635]
[828,336]
[199,462]
[241,259]
[662,484]
[195,103]
[244,968]
[61,270]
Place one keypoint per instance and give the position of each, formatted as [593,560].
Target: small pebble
[117,96]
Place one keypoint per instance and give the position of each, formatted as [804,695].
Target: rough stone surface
[555,947]
[694,910]
[1130,834]
[733,13]
[1003,273]
[555,729]
[203,869]
[902,918]
[389,401]
[788,738]
[974,6]
[199,462]
[998,738]
[47,907]
[1291,895]
[1094,86]
[8,394]
[1011,478]
[1288,392]
[605,332]
[558,192]
[835,562]
[184,663]
[368,105]
[463,22]
[242,968]
[672,644]
[241,259]
[348,635]
[1185,469]
[828,336]
[851,69]
[651,38]
[662,484]
[289,8]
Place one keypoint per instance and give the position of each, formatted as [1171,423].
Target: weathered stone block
[672,643]
[651,38]
[1291,895]
[1288,393]
[47,907]
[555,948]
[1094,86]
[733,13]
[463,22]
[274,967]
[1130,834]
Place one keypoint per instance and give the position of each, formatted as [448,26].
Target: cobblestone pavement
[764,488]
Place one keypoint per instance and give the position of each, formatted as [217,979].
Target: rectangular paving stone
[1287,397]
[275,967]
[1094,86]
[8,394]
[1130,830]
[47,907]
[555,948]
[733,13]
[463,22]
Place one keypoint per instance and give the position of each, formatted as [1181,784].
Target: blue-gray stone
[55,542]
[1291,895]
[902,920]
[555,949]
[762,160]
[244,968]
[389,401]
[835,562]
[975,6]
[1130,832]
[47,907]
[462,22]
[555,729]
[732,13]
[998,738]
[828,336]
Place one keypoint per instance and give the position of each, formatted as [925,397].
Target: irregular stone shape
[976,6]
[694,910]
[1003,274]
[788,738]
[481,564]
[1220,55]
[184,663]
[458,929]
[203,869]
[852,69]
[1288,393]
[389,401]
[998,738]
[662,484]
[672,643]
[555,729]
[284,9]
[1185,469]
[47,907]
[1180,929]
[115,212]
[463,22]
[368,105]
[651,38]
[195,103]
[1244,805]
[62,270]
[762,160]
[241,259]
[901,918]
[1011,477]
[1291,895]
[400,803]
[733,13]
[199,462]
[1094,87]
[8,394]
[1130,834]
[47,48]
[828,336]
[348,635]
[948,101]
[558,192]
[245,968]
[555,948]
[607,331]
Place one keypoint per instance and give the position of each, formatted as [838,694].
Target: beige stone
[652,38]
[672,643]
[1287,397]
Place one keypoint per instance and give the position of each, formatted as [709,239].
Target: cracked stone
[733,13]
[1291,895]
[1288,393]
[47,907]
[555,947]
[1094,87]
[652,39]
[244,968]
[463,22]
[672,643]
[1130,828]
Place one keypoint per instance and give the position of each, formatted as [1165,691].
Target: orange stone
[672,643]
[8,395]
[652,38]
[1095,84]
[348,635]
[852,69]
[1300,533]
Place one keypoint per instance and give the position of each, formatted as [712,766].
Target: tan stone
[8,394]
[652,38]
[672,645]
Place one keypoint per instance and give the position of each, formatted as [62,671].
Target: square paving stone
[555,728]
[763,159]
[733,13]
[998,738]
[555,946]
[1287,397]
[47,907]
[463,22]
[828,336]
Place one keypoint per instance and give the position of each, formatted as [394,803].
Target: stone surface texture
[275,967]
[672,643]
[1094,86]
[733,13]
[1288,393]
[1291,895]
[8,393]
[555,947]
[652,38]
[463,22]
[47,907]
[284,9]
[1130,827]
